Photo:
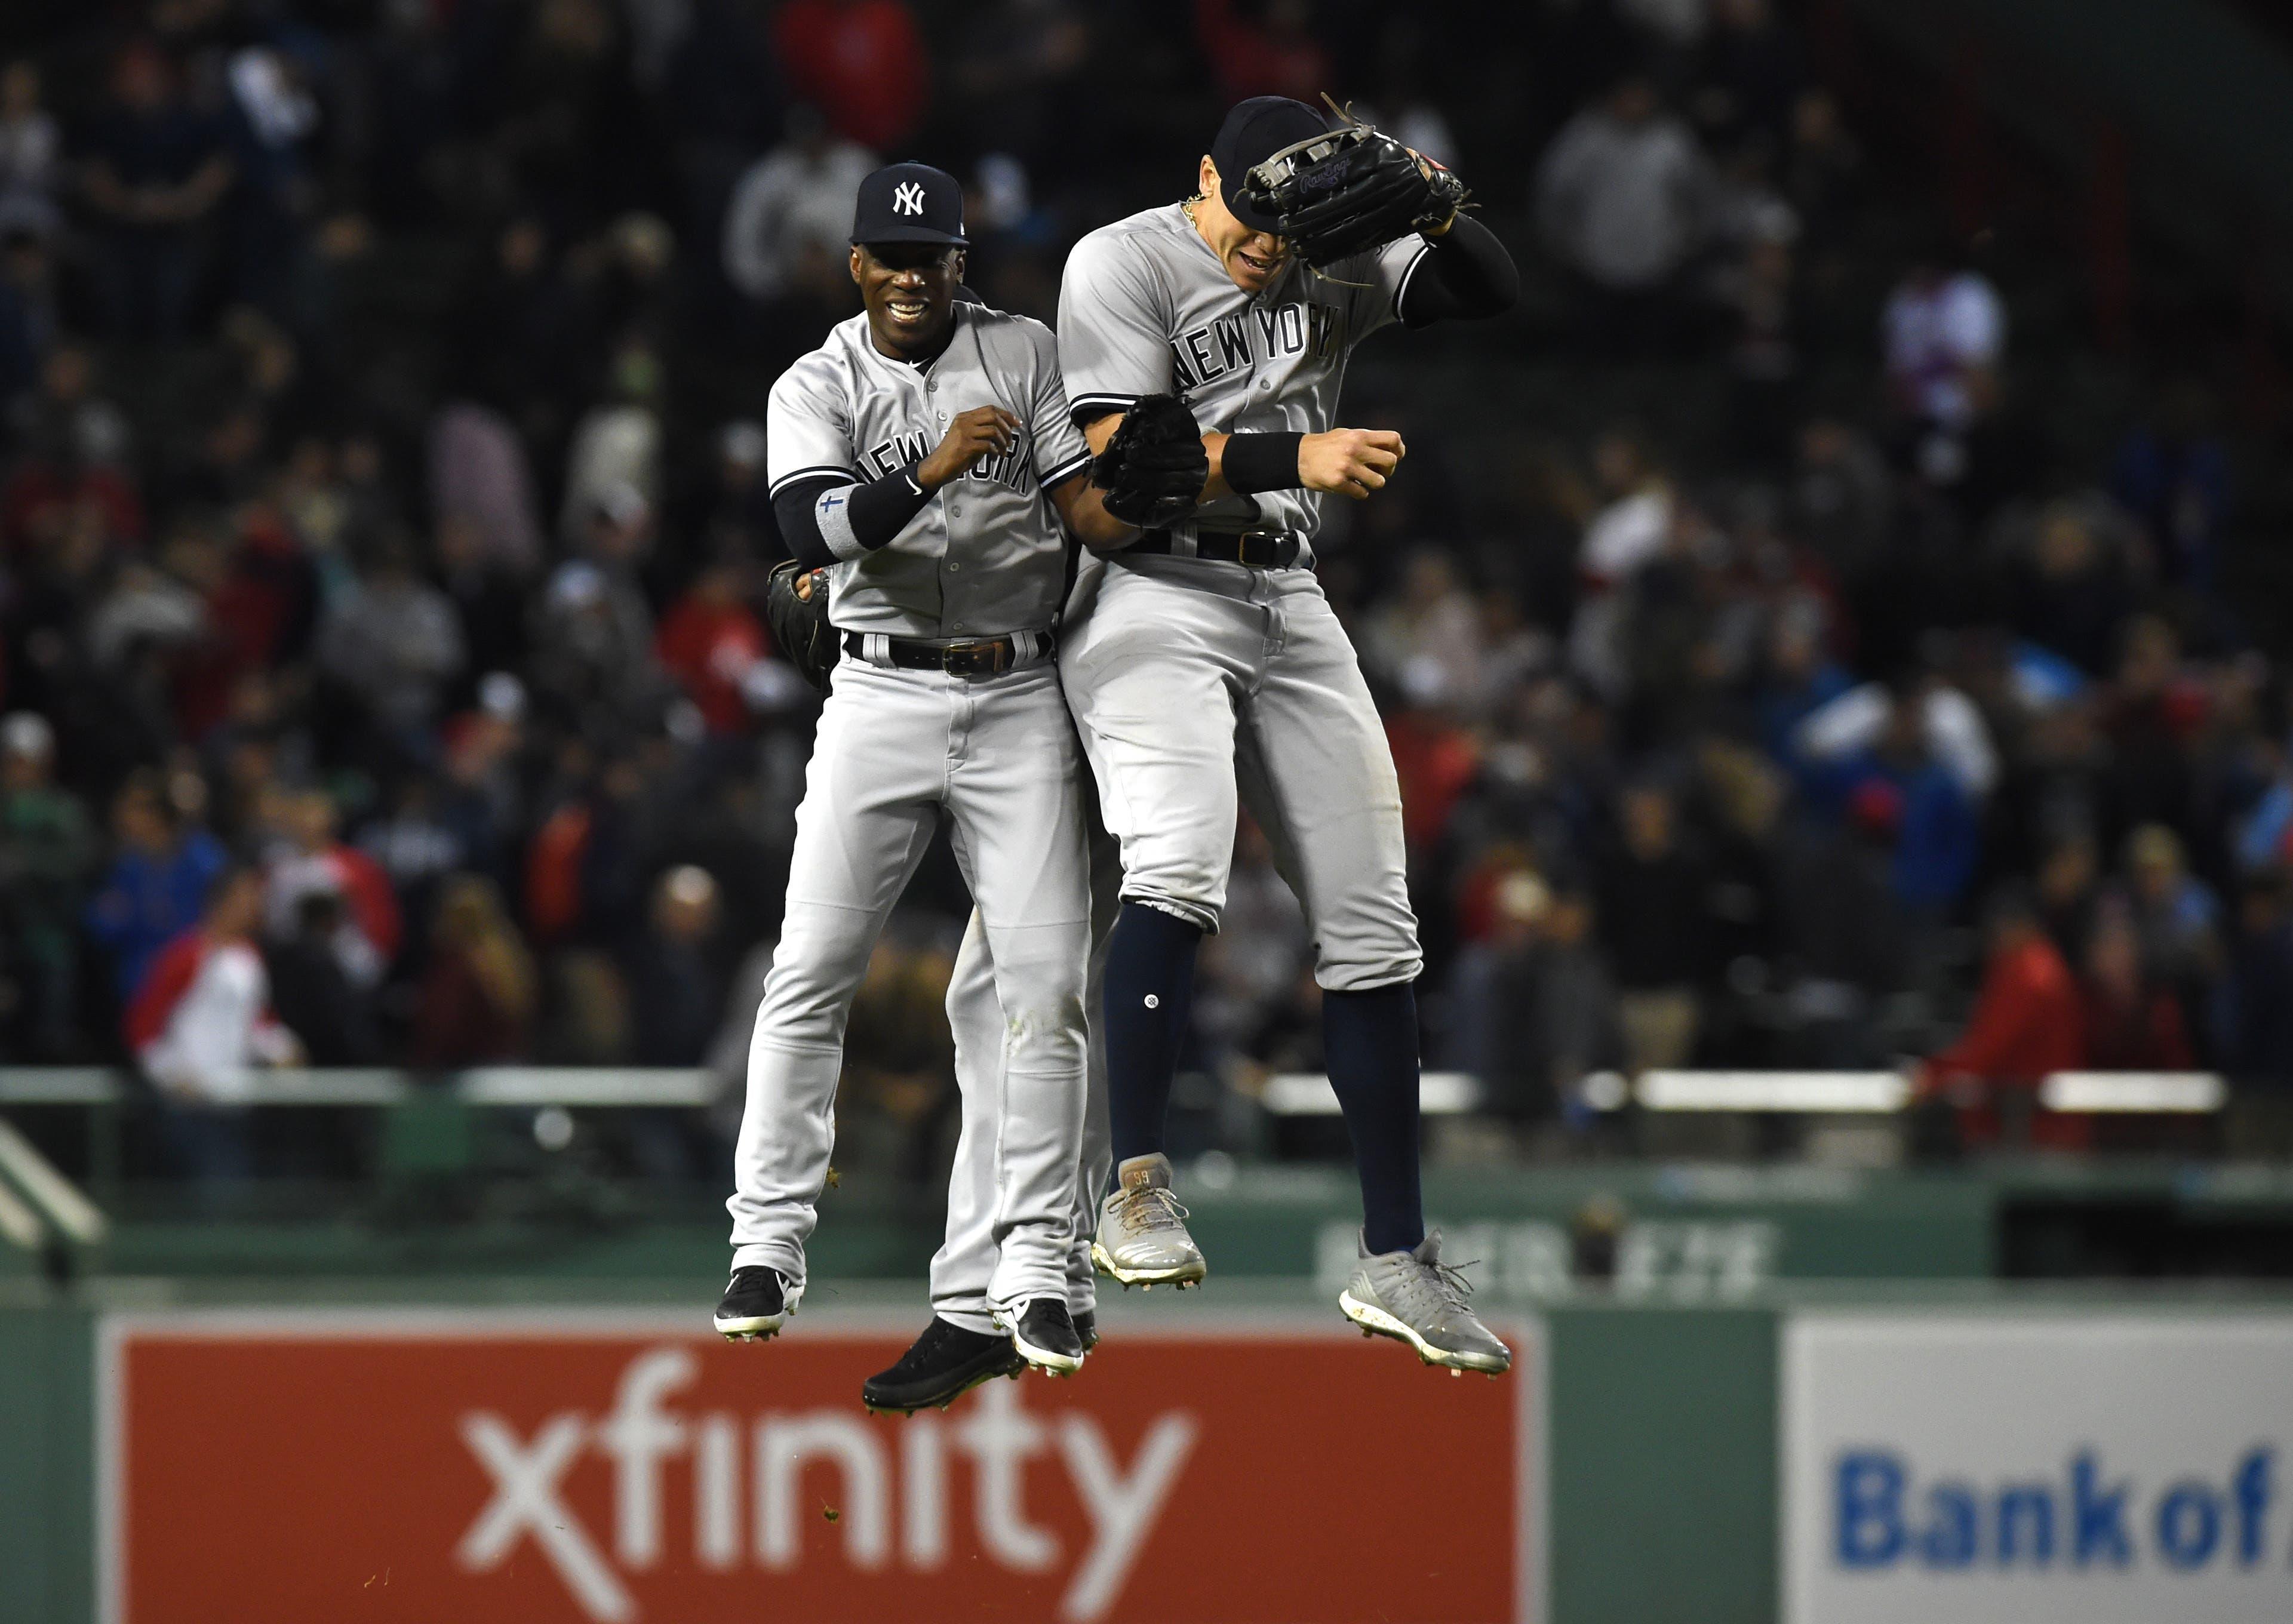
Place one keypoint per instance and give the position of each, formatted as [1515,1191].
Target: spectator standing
[201,1022]
[154,170]
[29,315]
[1630,531]
[1654,897]
[1944,335]
[1619,199]
[676,974]
[788,227]
[158,883]
[31,152]
[395,641]
[308,856]
[46,852]
[1536,1010]
[2132,1024]
[712,644]
[330,1015]
[2027,1022]
[274,119]
[2172,473]
[477,1000]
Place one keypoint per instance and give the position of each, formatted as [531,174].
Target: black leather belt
[1255,549]
[981,656]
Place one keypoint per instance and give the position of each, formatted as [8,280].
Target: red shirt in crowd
[1252,58]
[708,645]
[2029,1020]
[862,61]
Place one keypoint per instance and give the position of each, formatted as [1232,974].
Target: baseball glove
[800,628]
[1350,192]
[1153,469]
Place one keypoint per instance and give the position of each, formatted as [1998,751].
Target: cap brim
[912,233]
[1251,215]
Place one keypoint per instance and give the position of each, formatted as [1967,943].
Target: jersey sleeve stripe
[813,473]
[1402,292]
[1058,477]
[1076,406]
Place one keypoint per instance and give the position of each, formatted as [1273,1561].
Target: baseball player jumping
[925,455]
[1204,665]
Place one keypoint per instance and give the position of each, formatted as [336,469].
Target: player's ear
[859,263]
[1207,177]
[956,263]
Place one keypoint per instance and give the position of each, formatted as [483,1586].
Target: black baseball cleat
[1044,1332]
[755,1305]
[946,1363]
[1086,1324]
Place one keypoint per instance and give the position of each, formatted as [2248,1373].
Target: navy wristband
[1260,462]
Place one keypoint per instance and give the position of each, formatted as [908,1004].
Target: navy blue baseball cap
[909,203]
[1254,132]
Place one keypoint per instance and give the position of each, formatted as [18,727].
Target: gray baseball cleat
[1142,1232]
[1415,1297]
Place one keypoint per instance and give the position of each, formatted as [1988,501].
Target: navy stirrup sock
[1150,986]
[1369,1042]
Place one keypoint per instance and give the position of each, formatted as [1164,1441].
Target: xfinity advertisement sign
[2022,1469]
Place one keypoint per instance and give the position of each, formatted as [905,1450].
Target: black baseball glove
[1153,469]
[1350,191]
[800,628]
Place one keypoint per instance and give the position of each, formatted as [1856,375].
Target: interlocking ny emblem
[908,197]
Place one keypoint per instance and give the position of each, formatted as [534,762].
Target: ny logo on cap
[908,197]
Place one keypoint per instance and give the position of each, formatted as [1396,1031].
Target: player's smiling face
[909,288]
[1251,258]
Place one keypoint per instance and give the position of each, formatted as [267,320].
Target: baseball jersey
[1147,308]
[988,554]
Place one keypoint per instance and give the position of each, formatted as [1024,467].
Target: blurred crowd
[382,532]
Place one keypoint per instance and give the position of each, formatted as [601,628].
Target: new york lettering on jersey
[1263,333]
[1015,467]
[1146,307]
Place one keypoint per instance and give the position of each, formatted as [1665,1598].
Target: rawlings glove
[1153,469]
[800,628]
[1350,192]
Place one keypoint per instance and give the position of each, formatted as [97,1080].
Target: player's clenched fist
[974,434]
[1349,461]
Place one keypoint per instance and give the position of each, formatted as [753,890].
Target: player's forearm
[1465,275]
[1083,506]
[829,521]
[1216,485]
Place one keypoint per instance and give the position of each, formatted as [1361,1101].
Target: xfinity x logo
[755,1497]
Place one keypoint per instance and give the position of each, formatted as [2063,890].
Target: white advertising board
[2030,1468]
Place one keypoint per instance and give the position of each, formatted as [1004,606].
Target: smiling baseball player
[925,455]
[1206,668]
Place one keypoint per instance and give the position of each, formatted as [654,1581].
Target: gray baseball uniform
[896,748]
[1197,683]
[1184,672]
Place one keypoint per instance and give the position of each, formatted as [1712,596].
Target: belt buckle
[1259,549]
[989,657]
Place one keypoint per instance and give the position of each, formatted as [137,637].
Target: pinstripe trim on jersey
[831,510]
[1402,292]
[1060,476]
[813,473]
[1098,406]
